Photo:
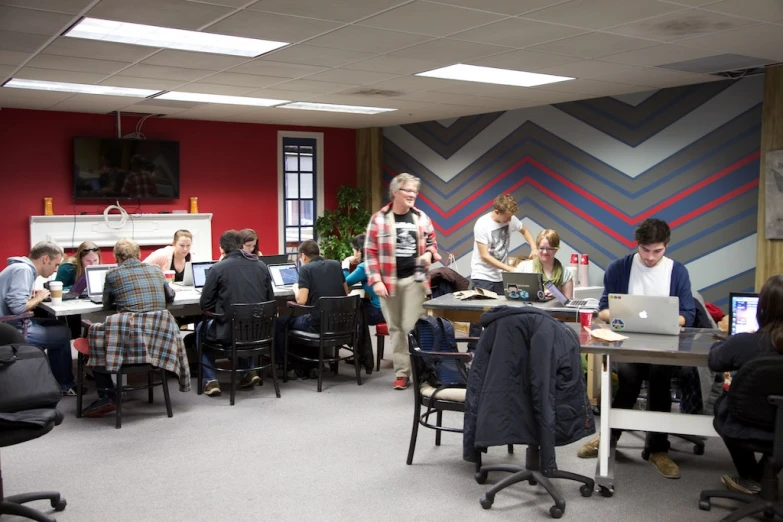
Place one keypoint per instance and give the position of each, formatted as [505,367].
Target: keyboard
[579,303]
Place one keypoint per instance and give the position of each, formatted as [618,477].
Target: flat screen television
[113,168]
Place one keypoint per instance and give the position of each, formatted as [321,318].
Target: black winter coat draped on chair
[525,385]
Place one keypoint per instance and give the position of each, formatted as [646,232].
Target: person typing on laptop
[647,272]
[546,264]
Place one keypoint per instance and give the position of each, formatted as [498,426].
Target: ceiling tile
[587,69]
[506,7]
[658,55]
[210,111]
[51,75]
[596,87]
[593,45]
[30,99]
[243,80]
[214,88]
[598,14]
[268,26]
[116,52]
[449,51]
[653,77]
[283,70]
[385,102]
[277,94]
[154,107]
[142,83]
[336,10]
[59,6]
[164,73]
[225,3]
[523,60]
[21,42]
[680,24]
[517,32]
[761,10]
[431,19]
[166,13]
[192,60]
[394,65]
[93,103]
[69,63]
[13,57]
[350,76]
[409,84]
[360,38]
[5,71]
[488,89]
[690,3]
[312,86]
[760,41]
[321,56]
[441,97]
[32,21]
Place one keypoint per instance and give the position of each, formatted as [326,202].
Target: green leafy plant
[337,227]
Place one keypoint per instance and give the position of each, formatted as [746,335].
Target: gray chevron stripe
[442,139]
[735,284]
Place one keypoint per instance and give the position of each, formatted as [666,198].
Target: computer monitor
[742,312]
[283,276]
[200,269]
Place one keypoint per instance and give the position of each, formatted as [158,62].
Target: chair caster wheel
[486,503]
[704,505]
[698,450]
[607,492]
[555,512]
[646,454]
[59,505]
[586,491]
[480,477]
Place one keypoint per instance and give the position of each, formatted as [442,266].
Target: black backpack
[436,334]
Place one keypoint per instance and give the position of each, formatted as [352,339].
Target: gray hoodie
[16,285]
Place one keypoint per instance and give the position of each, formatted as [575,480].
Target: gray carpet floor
[336,455]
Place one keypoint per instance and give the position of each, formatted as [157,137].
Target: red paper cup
[169,274]
[574,259]
[586,318]
[584,260]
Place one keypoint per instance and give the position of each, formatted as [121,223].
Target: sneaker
[741,485]
[400,383]
[212,389]
[589,450]
[69,392]
[250,379]
[665,465]
[100,408]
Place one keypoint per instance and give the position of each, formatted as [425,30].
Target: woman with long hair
[729,355]
[249,241]
[175,255]
[73,268]
[546,264]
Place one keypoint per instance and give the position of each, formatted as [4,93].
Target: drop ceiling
[366,52]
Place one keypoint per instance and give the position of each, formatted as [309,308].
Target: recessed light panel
[475,73]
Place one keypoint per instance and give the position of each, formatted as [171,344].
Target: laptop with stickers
[645,314]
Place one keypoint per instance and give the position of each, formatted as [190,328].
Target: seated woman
[249,241]
[372,305]
[73,268]
[174,256]
[729,355]
[546,264]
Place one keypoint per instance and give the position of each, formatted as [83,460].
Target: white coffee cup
[56,291]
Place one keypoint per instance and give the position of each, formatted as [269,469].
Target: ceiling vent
[377,93]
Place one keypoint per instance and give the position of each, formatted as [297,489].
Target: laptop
[570,303]
[283,275]
[645,314]
[279,259]
[96,276]
[523,286]
[199,270]
[187,276]
[742,312]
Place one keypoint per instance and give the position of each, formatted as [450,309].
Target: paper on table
[605,335]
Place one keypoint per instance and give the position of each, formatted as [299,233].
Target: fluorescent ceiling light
[330,107]
[475,73]
[153,36]
[80,88]
[219,98]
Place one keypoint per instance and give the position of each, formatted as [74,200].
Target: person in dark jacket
[238,278]
[729,355]
[525,385]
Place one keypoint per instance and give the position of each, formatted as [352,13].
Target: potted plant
[337,227]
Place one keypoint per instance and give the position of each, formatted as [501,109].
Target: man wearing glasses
[399,247]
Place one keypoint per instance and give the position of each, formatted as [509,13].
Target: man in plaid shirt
[399,247]
[140,182]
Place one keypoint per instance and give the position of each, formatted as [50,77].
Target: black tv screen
[115,168]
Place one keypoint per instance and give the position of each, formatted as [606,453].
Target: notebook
[523,286]
[742,312]
[96,276]
[645,314]
[283,275]
[200,269]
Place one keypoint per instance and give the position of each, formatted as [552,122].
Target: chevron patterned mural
[594,169]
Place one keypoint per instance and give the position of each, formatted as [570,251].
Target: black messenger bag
[26,380]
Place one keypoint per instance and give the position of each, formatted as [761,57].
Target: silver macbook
[187,276]
[200,269]
[570,303]
[645,314]
[96,277]
[524,286]
[283,275]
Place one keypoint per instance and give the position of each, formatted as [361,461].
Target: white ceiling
[341,47]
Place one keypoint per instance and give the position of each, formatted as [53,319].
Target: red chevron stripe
[712,204]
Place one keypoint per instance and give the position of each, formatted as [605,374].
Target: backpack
[436,334]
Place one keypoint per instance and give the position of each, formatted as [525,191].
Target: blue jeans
[300,322]
[208,358]
[54,337]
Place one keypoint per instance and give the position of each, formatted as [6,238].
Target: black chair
[252,335]
[12,432]
[339,330]
[756,399]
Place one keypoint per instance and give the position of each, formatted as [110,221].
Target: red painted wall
[231,167]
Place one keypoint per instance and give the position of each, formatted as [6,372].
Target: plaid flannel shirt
[136,287]
[139,185]
[380,246]
[140,338]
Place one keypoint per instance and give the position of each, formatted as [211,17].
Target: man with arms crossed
[647,272]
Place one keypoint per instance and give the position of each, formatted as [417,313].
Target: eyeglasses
[88,250]
[547,249]
[410,191]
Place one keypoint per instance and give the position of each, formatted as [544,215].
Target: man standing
[17,296]
[647,272]
[238,278]
[400,246]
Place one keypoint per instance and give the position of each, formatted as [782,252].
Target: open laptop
[523,286]
[187,276]
[742,312]
[199,270]
[283,275]
[570,303]
[96,276]
[279,259]
[645,314]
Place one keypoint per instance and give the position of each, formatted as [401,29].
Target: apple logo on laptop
[643,314]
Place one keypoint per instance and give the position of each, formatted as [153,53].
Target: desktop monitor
[742,312]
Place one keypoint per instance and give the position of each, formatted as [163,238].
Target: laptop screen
[284,275]
[96,276]
[200,269]
[742,313]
